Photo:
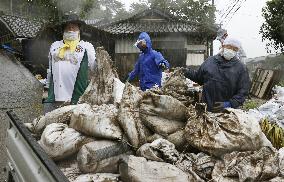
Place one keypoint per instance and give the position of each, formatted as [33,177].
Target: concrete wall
[19,91]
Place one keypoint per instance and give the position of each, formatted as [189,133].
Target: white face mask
[71,35]
[228,54]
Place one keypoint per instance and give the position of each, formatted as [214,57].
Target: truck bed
[27,161]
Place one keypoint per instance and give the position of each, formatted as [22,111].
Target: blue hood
[147,38]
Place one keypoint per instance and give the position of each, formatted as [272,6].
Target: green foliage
[250,104]
[273,27]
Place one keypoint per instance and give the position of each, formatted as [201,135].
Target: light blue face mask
[228,54]
[71,35]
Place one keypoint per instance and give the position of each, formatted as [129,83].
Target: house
[16,30]
[181,43]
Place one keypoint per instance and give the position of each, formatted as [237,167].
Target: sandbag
[162,114]
[180,88]
[60,115]
[138,169]
[96,121]
[60,142]
[261,165]
[199,166]
[220,133]
[101,87]
[99,177]
[102,156]
[128,116]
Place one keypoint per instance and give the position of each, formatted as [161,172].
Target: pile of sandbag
[119,133]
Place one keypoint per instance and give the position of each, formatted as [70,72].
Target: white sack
[60,142]
[162,114]
[102,156]
[128,116]
[60,115]
[138,169]
[96,121]
[118,88]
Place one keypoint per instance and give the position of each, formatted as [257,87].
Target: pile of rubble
[118,133]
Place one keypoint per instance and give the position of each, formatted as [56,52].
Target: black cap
[72,18]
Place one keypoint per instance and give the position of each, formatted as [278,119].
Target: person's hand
[163,66]
[218,107]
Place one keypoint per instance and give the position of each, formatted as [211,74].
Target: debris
[98,177]
[221,133]
[180,88]
[101,88]
[261,165]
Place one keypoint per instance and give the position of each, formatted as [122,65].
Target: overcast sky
[244,25]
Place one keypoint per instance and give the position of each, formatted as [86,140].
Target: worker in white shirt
[70,61]
[222,34]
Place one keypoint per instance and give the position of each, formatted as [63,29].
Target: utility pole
[213,2]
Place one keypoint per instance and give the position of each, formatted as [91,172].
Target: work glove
[220,106]
[163,66]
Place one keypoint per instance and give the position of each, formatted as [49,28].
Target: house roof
[21,27]
[150,20]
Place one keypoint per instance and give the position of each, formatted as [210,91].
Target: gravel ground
[20,92]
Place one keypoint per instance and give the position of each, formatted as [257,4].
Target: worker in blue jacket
[224,77]
[149,65]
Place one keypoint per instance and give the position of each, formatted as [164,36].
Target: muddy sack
[261,165]
[96,121]
[180,88]
[128,116]
[162,114]
[102,156]
[60,115]
[220,133]
[60,142]
[101,87]
[138,169]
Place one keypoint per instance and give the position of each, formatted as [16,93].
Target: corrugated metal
[194,59]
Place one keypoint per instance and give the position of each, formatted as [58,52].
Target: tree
[273,27]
